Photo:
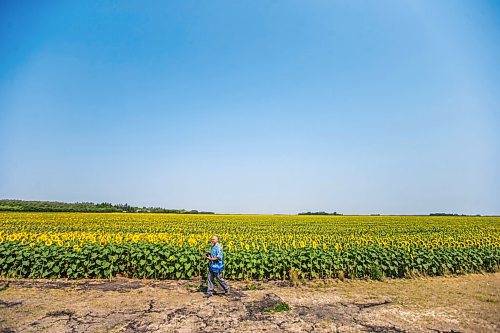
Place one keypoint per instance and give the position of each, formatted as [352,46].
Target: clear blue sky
[253,106]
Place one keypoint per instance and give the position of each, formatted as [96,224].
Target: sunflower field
[172,246]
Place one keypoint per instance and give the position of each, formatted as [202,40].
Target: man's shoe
[208,295]
[227,290]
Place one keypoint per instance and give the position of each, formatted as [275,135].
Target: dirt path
[451,304]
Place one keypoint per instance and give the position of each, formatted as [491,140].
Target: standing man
[215,267]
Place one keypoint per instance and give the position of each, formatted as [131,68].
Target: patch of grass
[254,286]
[251,286]
[280,307]
[202,288]
[4,287]
[190,286]
[486,298]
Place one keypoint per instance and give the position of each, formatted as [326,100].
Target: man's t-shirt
[218,265]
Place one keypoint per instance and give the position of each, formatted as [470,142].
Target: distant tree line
[448,214]
[83,207]
[319,213]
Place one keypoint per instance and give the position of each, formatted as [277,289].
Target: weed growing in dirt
[280,307]
[254,286]
[251,286]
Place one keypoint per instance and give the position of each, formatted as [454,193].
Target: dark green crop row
[145,260]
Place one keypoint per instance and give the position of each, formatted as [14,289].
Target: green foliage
[280,307]
[254,286]
[319,213]
[100,261]
[84,207]
[55,245]
[161,261]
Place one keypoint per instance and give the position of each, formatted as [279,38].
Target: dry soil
[446,304]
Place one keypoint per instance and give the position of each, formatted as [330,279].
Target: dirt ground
[447,304]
